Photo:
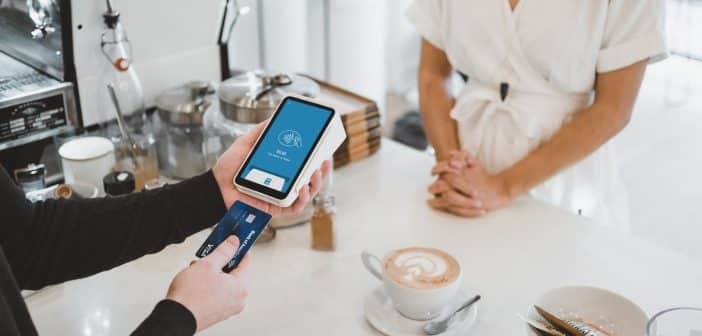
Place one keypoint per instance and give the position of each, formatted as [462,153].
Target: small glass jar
[220,133]
[138,157]
[322,223]
[179,129]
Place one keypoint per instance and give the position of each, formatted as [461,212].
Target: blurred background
[370,47]
[366,47]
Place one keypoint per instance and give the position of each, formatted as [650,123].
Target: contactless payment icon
[290,138]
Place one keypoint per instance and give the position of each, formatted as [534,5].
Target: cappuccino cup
[420,281]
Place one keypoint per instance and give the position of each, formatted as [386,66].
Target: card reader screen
[286,145]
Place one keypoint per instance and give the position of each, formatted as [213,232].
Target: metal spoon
[122,127]
[438,327]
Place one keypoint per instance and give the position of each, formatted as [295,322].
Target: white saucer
[381,314]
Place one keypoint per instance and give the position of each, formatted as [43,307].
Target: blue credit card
[243,221]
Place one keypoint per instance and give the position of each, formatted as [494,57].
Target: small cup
[87,160]
[419,304]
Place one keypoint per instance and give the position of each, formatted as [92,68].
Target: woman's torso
[558,41]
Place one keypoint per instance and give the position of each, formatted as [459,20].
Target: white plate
[613,312]
[381,314]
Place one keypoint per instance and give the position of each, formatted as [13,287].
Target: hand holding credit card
[243,221]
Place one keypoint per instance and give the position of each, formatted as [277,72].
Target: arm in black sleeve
[54,241]
[168,318]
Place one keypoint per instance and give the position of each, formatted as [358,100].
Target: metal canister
[252,97]
[246,100]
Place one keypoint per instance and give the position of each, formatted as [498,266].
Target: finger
[302,199]
[464,212]
[439,186]
[438,203]
[443,203]
[443,167]
[315,183]
[461,184]
[223,253]
[255,132]
[465,157]
[259,204]
[451,182]
[326,168]
[470,159]
[457,163]
[456,199]
[457,154]
[242,270]
[432,203]
[457,159]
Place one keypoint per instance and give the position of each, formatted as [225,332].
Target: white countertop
[509,257]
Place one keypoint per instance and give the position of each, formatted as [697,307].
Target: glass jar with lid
[179,129]
[246,100]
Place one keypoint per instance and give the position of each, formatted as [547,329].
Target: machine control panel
[34,119]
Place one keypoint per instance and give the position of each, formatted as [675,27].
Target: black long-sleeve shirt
[54,241]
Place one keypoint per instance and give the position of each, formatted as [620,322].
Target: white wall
[168,50]
[316,32]
[403,45]
[291,38]
[244,44]
[357,46]
[285,35]
[294,41]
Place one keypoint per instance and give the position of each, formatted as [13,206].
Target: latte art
[420,267]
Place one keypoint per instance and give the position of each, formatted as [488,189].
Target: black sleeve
[54,241]
[168,318]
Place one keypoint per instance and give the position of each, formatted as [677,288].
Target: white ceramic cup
[414,303]
[87,160]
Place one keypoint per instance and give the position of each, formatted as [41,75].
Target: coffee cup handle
[369,260]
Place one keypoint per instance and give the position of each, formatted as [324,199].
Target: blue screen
[282,151]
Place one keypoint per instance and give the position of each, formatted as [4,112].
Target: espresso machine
[51,63]
[37,93]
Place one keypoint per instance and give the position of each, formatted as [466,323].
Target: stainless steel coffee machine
[37,94]
[52,64]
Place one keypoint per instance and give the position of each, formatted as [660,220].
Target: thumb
[223,253]
[253,134]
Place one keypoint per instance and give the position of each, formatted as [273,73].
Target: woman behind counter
[549,83]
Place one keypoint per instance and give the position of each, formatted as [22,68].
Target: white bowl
[615,313]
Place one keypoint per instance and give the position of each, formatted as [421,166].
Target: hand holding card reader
[298,138]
